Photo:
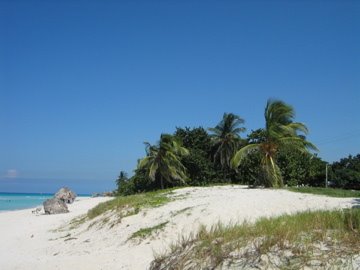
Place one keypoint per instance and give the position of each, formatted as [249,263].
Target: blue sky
[84,83]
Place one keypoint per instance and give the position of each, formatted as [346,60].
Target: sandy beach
[26,237]
[32,241]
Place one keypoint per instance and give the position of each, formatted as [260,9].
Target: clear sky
[84,83]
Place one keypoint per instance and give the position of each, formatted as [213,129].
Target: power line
[343,137]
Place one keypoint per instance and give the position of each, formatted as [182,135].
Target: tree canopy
[277,154]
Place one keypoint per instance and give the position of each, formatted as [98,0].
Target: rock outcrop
[55,206]
[104,194]
[66,195]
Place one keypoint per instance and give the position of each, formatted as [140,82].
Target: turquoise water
[17,201]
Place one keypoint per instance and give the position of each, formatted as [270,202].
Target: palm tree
[163,160]
[226,138]
[122,178]
[280,132]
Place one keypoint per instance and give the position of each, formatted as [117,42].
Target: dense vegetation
[276,155]
[346,172]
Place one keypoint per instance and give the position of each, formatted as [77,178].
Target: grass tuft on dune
[299,235]
[134,202]
[111,212]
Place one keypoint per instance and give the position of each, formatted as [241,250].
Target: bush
[346,172]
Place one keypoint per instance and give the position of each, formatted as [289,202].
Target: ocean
[17,201]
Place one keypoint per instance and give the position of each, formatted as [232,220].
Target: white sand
[28,241]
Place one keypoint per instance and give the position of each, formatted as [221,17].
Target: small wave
[5,200]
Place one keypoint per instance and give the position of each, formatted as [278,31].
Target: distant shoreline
[38,193]
[36,206]
[20,201]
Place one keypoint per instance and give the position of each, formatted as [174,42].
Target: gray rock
[264,260]
[55,206]
[66,195]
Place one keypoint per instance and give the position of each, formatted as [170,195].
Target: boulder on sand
[55,206]
[66,195]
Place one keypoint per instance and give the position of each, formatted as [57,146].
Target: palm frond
[297,143]
[299,127]
[278,113]
[144,162]
[153,169]
[239,155]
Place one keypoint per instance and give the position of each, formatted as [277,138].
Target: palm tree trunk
[161,182]
[276,175]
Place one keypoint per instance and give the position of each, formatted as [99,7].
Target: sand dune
[30,242]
